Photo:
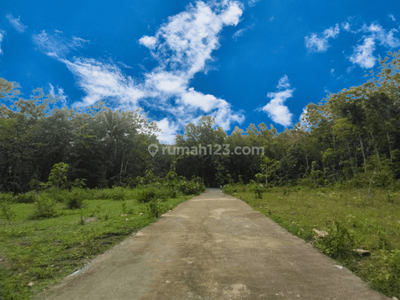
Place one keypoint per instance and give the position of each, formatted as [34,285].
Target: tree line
[351,136]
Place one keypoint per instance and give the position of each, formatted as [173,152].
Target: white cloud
[148,41]
[385,38]
[392,17]
[60,94]
[104,82]
[2,32]
[283,83]
[182,47]
[319,42]
[168,131]
[252,2]
[345,26]
[16,23]
[363,54]
[239,33]
[56,46]
[277,111]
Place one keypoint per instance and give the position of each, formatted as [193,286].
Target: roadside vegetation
[357,227]
[49,234]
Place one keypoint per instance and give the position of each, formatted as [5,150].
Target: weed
[155,208]
[45,207]
[338,242]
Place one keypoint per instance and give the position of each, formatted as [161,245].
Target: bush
[117,193]
[45,207]
[337,243]
[383,271]
[57,194]
[29,197]
[74,199]
[193,187]
[5,206]
[155,208]
[229,189]
[147,194]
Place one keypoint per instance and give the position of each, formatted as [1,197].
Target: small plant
[154,208]
[58,175]
[258,190]
[74,199]
[146,194]
[338,242]
[5,206]
[45,207]
[123,207]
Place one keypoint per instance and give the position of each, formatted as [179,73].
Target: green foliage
[155,208]
[45,207]
[338,243]
[46,250]
[383,271]
[29,197]
[229,189]
[258,189]
[75,198]
[5,206]
[58,176]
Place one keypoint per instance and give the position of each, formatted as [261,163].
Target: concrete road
[213,247]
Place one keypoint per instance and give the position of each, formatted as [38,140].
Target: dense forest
[350,137]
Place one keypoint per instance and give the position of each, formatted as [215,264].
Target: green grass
[354,219]
[43,251]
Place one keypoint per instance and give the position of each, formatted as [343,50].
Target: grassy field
[36,253]
[353,219]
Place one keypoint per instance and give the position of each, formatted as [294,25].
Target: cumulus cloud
[386,38]
[55,45]
[391,17]
[16,23]
[168,131]
[148,41]
[182,47]
[319,42]
[2,33]
[363,54]
[276,110]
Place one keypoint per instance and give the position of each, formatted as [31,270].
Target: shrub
[5,206]
[74,199]
[145,195]
[229,189]
[383,271]
[29,197]
[155,208]
[57,194]
[118,193]
[337,243]
[45,207]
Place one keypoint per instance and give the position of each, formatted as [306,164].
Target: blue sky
[242,62]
